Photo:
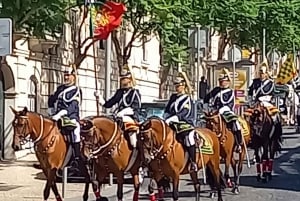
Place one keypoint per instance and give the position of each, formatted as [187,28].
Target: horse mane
[44,116]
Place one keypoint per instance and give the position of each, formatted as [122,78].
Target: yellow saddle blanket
[207,146]
[272,110]
[245,128]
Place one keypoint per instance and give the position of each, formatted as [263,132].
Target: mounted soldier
[223,100]
[128,101]
[262,91]
[64,106]
[179,115]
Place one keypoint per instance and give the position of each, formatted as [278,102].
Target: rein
[154,152]
[221,125]
[41,131]
[94,153]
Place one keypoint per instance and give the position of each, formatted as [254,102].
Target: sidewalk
[20,181]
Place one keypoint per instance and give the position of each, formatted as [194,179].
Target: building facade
[34,70]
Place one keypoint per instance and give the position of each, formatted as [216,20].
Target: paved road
[19,181]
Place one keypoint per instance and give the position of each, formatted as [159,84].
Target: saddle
[272,110]
[229,117]
[181,127]
[66,125]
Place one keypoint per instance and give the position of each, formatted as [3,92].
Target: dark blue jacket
[181,105]
[66,98]
[227,99]
[126,97]
[261,88]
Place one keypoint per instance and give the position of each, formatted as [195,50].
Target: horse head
[153,136]
[99,136]
[214,122]
[21,127]
[258,115]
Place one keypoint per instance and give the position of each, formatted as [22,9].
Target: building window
[32,95]
[145,50]
[101,45]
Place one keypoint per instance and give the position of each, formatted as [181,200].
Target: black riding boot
[76,150]
[239,142]
[192,153]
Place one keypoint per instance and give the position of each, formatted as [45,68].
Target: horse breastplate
[224,97]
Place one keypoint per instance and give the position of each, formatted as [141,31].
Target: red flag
[106,18]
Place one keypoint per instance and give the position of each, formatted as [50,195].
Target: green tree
[36,17]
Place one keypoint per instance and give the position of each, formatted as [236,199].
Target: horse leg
[120,182]
[264,161]
[175,187]
[50,179]
[196,183]
[136,184]
[234,168]
[87,179]
[258,163]
[54,187]
[271,159]
[228,161]
[214,166]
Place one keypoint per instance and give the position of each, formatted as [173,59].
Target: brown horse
[267,135]
[104,143]
[50,147]
[217,124]
[167,158]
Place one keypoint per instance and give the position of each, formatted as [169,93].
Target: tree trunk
[223,42]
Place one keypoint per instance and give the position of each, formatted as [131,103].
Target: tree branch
[82,56]
[29,14]
[85,15]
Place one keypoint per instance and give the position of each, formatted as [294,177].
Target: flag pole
[95,59]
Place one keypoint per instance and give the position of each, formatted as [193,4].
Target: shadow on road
[286,169]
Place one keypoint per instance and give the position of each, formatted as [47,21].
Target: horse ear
[24,112]
[13,110]
[146,125]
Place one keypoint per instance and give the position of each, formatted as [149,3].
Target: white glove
[59,115]
[172,119]
[50,111]
[224,109]
[126,111]
[101,100]
[96,93]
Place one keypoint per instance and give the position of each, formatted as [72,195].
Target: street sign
[5,36]
[192,36]
[235,52]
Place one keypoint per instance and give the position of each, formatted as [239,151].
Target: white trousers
[127,119]
[190,138]
[76,132]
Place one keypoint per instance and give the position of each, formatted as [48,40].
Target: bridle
[219,131]
[94,145]
[26,127]
[151,146]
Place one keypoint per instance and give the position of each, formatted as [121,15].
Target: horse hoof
[270,176]
[102,199]
[229,184]
[212,195]
[236,190]
[258,178]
